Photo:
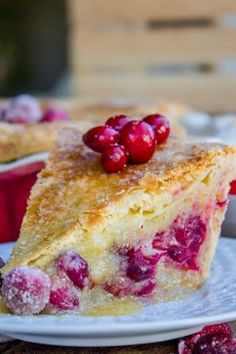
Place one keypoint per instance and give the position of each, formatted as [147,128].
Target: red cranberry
[114,158]
[23,109]
[182,255]
[139,272]
[177,253]
[118,122]
[63,298]
[75,267]
[160,125]
[215,339]
[159,243]
[190,232]
[139,141]
[146,289]
[140,267]
[119,288]
[222,203]
[26,290]
[55,115]
[99,138]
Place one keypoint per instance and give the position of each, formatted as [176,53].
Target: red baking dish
[16,181]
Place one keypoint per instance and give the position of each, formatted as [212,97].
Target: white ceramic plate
[214,302]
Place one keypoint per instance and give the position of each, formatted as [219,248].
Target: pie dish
[19,140]
[147,234]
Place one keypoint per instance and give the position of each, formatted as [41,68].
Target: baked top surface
[74,193]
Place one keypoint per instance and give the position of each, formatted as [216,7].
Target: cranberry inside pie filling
[147,234]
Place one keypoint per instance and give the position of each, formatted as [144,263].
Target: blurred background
[183,50]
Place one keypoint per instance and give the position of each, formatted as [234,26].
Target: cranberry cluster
[25,109]
[214,339]
[138,274]
[122,140]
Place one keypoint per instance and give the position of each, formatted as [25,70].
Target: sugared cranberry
[140,267]
[139,141]
[63,298]
[114,158]
[23,109]
[215,339]
[26,290]
[99,138]
[145,289]
[118,122]
[55,115]
[75,267]
[160,125]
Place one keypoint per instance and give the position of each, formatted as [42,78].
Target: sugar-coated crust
[17,140]
[73,192]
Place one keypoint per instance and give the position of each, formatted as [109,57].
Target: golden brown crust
[74,195]
[17,140]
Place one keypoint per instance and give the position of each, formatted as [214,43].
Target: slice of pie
[146,234]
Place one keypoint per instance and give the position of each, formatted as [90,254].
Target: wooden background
[182,49]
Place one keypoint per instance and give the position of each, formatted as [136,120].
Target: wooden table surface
[18,347]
